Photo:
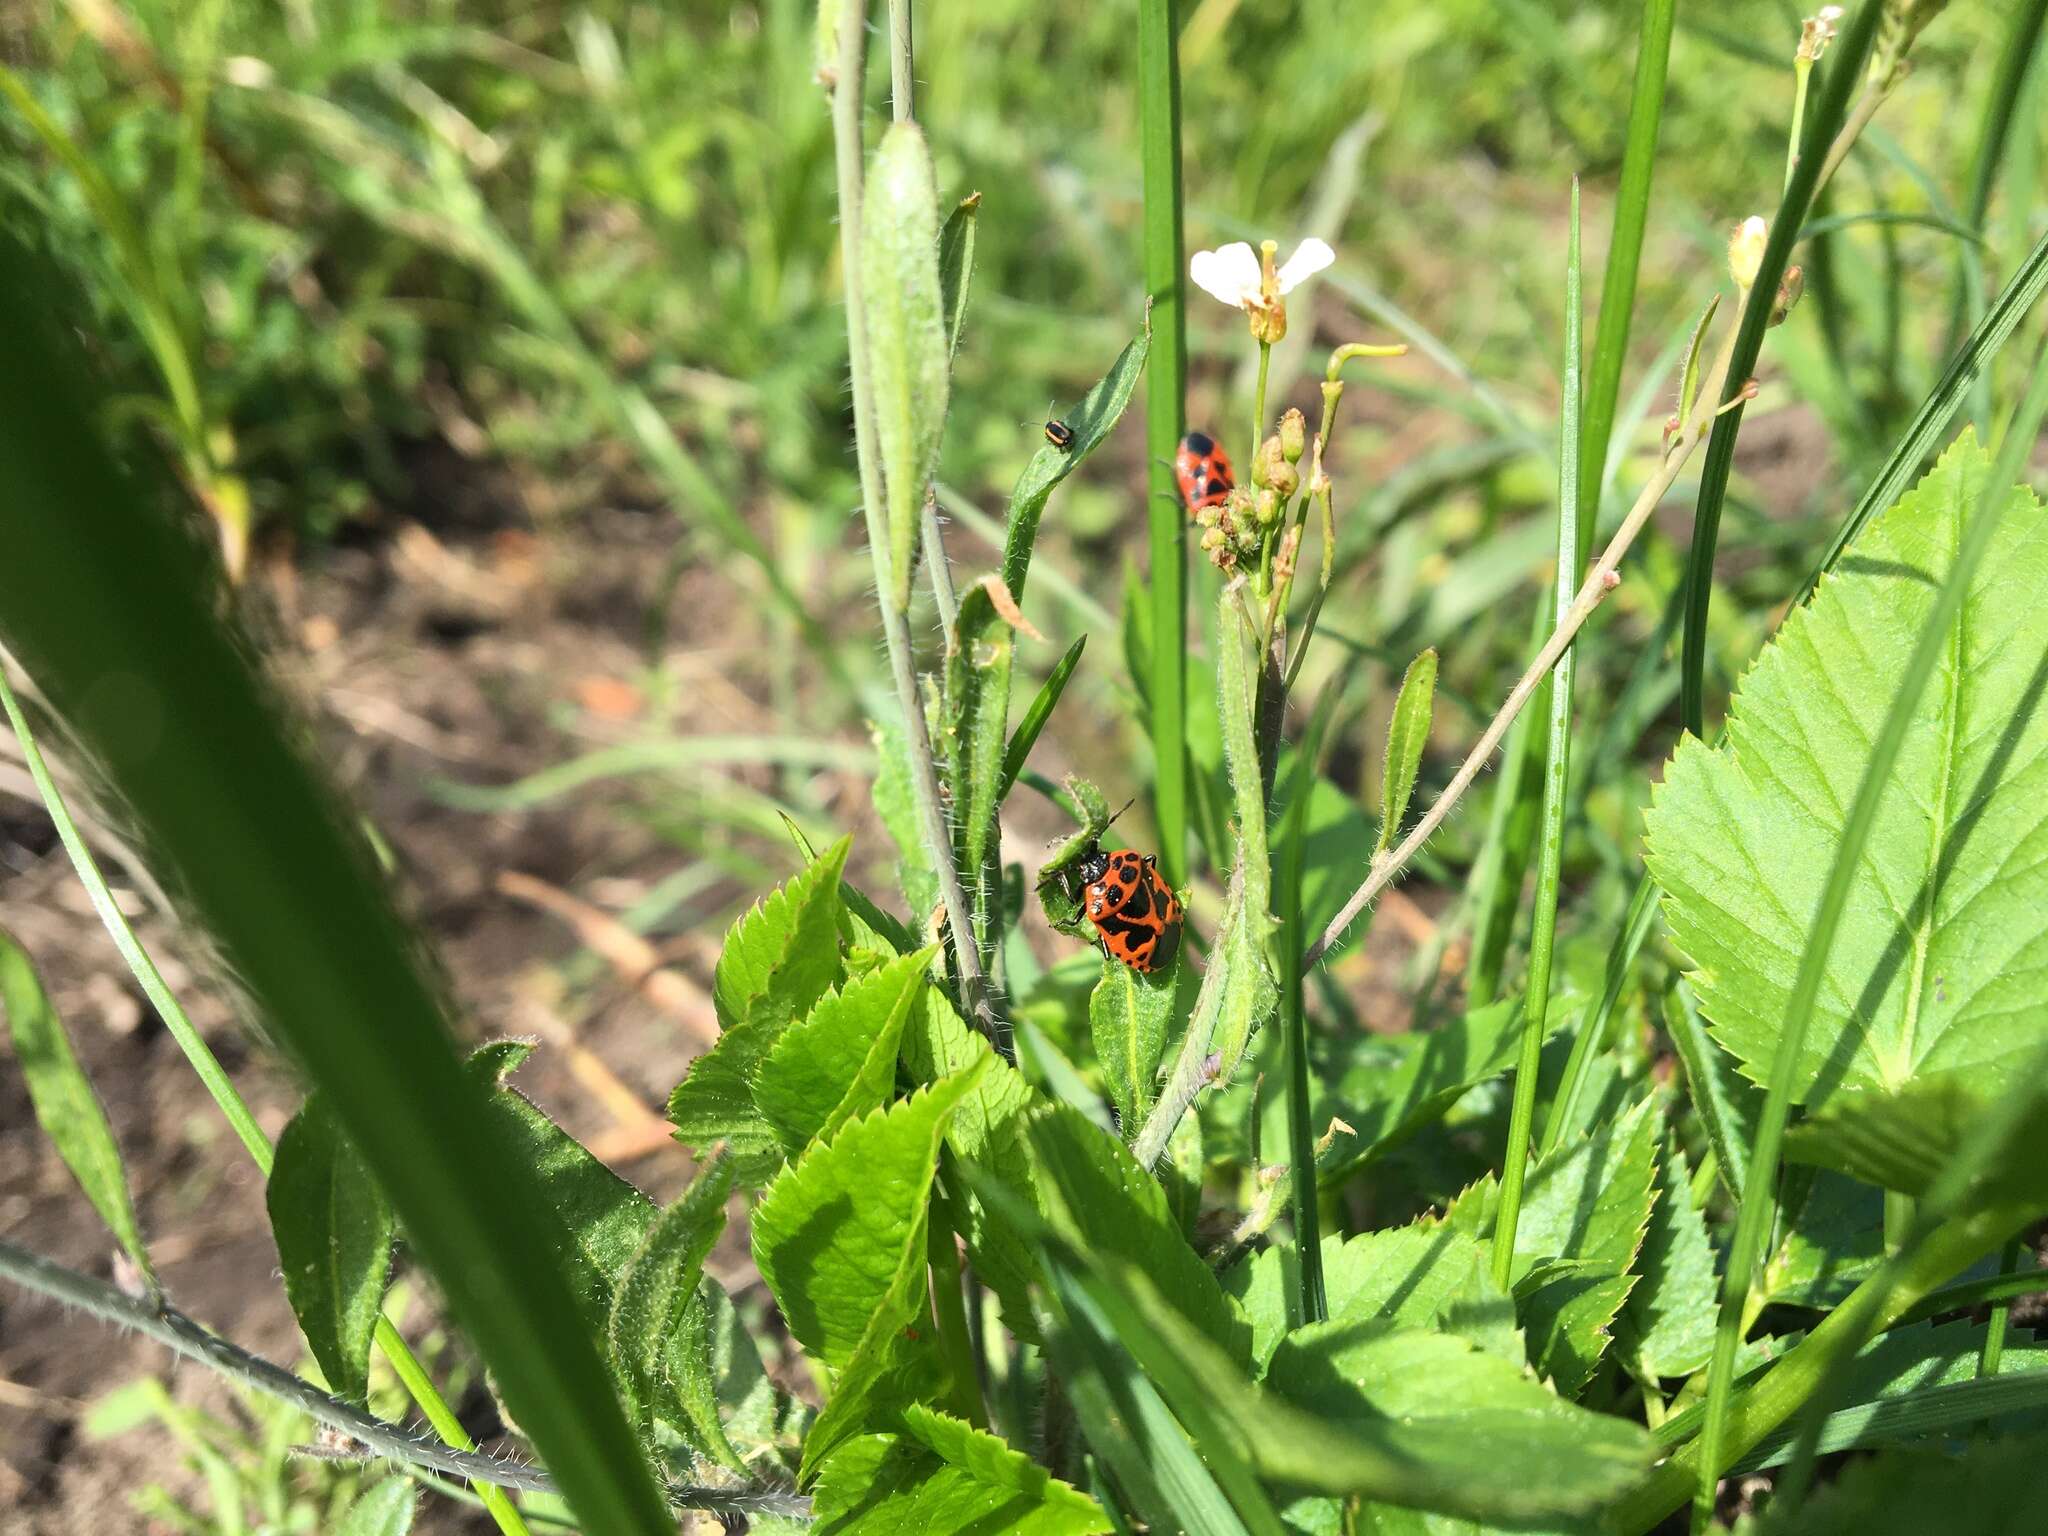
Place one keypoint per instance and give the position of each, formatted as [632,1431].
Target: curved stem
[174,1329]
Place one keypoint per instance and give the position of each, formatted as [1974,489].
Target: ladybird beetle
[1203,471]
[1132,907]
[1060,435]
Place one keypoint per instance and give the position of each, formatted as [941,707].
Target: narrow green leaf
[981,655]
[1127,1017]
[656,1287]
[840,1061]
[1091,421]
[1025,737]
[909,355]
[956,265]
[385,1509]
[1407,737]
[1726,1102]
[896,804]
[334,1232]
[1669,1319]
[65,1105]
[1248,990]
[1946,916]
[97,591]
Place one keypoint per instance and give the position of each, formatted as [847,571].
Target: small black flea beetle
[1060,435]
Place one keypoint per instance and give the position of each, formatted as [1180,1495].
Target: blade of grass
[1621,959]
[1844,71]
[1165,417]
[1746,1248]
[1025,737]
[1556,780]
[1624,256]
[98,593]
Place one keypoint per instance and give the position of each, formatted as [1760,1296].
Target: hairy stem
[924,777]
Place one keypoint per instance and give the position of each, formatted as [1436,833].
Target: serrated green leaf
[605,1218]
[66,1106]
[1092,1192]
[780,957]
[334,1231]
[840,1240]
[778,960]
[840,1061]
[656,1287]
[1567,1321]
[1669,1318]
[1903,1141]
[942,1477]
[1992,1489]
[1090,421]
[1935,966]
[956,266]
[1407,737]
[1422,1276]
[1127,1017]
[909,356]
[385,1509]
[1726,1102]
[986,1130]
[1832,1240]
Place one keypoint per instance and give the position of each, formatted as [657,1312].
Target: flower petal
[1230,275]
[1309,258]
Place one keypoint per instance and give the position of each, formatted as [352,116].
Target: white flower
[1234,275]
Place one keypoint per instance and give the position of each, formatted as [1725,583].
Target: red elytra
[1202,470]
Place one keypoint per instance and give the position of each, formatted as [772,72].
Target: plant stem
[172,1328]
[1598,583]
[1556,775]
[1313,1302]
[924,778]
[1993,1352]
[1802,75]
[1621,957]
[1165,421]
[901,86]
[225,1095]
[949,1313]
[1259,405]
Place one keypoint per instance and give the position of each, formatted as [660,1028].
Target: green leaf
[604,1218]
[1946,927]
[1093,1193]
[334,1232]
[1387,1087]
[1407,737]
[1903,1141]
[956,266]
[780,957]
[1337,843]
[1833,1240]
[1918,1382]
[840,1061]
[656,1287]
[1992,1489]
[385,1509]
[896,804]
[778,960]
[1473,1435]
[1726,1102]
[1670,1315]
[1091,421]
[942,1477]
[1127,1017]
[65,1105]
[1239,971]
[979,658]
[1025,737]
[1424,1276]
[909,355]
[840,1240]
[719,1381]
